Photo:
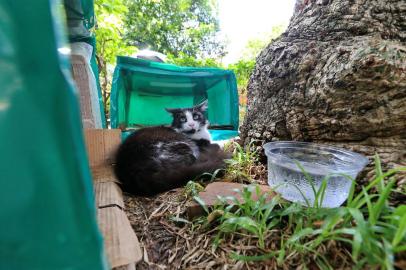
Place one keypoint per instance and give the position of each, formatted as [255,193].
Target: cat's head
[189,120]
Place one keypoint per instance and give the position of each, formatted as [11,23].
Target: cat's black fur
[157,159]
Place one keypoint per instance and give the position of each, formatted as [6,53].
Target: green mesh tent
[48,214]
[142,89]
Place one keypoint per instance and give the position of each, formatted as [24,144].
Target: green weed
[192,189]
[239,167]
[367,229]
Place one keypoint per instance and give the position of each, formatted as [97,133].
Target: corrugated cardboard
[103,174]
[82,78]
[108,194]
[121,243]
[101,146]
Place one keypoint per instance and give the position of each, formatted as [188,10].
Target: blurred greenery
[109,41]
[244,66]
[189,61]
[185,31]
[176,27]
[109,30]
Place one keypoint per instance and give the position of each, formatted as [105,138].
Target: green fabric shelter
[142,89]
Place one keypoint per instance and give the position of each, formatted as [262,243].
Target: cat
[157,159]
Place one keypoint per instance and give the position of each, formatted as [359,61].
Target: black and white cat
[157,159]
[191,121]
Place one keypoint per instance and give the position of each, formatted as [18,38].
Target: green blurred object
[80,17]
[48,213]
[142,89]
[81,21]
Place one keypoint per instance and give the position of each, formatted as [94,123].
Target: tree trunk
[336,76]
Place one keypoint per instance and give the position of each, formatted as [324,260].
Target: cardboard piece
[223,189]
[126,267]
[101,146]
[103,174]
[108,194]
[120,242]
[81,77]
[86,84]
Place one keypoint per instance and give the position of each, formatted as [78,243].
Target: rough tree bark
[337,75]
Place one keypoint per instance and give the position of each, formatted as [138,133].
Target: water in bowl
[293,185]
[319,162]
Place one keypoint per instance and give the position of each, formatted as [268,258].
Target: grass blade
[293,208]
[357,238]
[375,182]
[281,256]
[389,257]
[244,258]
[356,245]
[382,201]
[400,248]
[378,172]
[304,197]
[400,232]
[241,222]
[369,205]
[307,176]
[302,233]
[201,203]
[351,193]
[321,192]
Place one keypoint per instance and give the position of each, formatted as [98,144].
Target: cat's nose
[191,125]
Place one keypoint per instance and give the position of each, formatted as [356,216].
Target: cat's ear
[202,106]
[173,111]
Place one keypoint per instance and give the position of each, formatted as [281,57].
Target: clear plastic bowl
[319,161]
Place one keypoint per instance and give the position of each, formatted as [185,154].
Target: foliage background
[186,31]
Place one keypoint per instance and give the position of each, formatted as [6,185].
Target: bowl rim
[360,161]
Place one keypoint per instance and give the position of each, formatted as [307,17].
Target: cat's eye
[196,116]
[183,119]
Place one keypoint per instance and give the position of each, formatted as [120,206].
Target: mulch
[169,241]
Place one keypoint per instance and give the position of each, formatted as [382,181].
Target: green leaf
[400,248]
[321,192]
[246,223]
[378,172]
[372,218]
[351,193]
[359,231]
[400,232]
[302,233]
[375,182]
[292,209]
[244,258]
[358,217]
[302,194]
[381,203]
[281,256]
[333,219]
[389,256]
[201,203]
[356,244]
[308,178]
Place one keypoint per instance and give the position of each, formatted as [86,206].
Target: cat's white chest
[201,134]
